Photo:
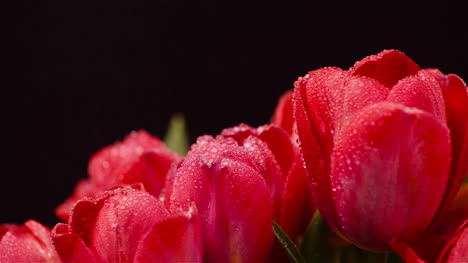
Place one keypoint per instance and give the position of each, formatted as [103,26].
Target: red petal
[150,169]
[28,243]
[232,198]
[311,153]
[323,104]
[456,103]
[283,115]
[126,215]
[415,246]
[296,205]
[42,234]
[72,248]
[325,100]
[280,145]
[332,97]
[176,239]
[390,170]
[457,250]
[454,216]
[250,150]
[421,91]
[388,67]
[109,163]
[83,188]
[277,140]
[83,219]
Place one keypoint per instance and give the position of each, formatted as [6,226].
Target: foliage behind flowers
[381,150]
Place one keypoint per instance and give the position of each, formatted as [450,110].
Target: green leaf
[177,136]
[315,244]
[291,250]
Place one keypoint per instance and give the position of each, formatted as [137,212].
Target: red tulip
[128,225]
[235,188]
[295,209]
[384,144]
[30,242]
[420,247]
[140,158]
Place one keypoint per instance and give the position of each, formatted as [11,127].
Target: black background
[82,74]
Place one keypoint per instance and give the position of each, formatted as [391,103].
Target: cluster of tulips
[359,164]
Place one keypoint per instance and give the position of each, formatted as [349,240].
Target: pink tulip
[30,242]
[128,225]
[384,144]
[140,158]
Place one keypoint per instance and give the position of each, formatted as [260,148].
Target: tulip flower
[384,144]
[240,181]
[30,242]
[234,188]
[140,158]
[295,208]
[128,224]
[417,247]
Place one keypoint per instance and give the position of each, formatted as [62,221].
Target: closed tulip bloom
[128,224]
[139,158]
[384,144]
[30,242]
[234,196]
[295,208]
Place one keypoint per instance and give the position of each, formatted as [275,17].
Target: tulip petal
[454,216]
[416,246]
[111,160]
[456,103]
[42,234]
[125,216]
[30,242]
[232,198]
[457,250]
[283,115]
[83,188]
[332,97]
[296,205]
[150,169]
[319,92]
[249,149]
[420,91]
[72,248]
[388,67]
[311,153]
[404,154]
[277,140]
[325,101]
[176,239]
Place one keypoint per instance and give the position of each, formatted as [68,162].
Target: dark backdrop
[82,74]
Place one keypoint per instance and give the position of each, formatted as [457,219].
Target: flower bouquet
[358,165]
